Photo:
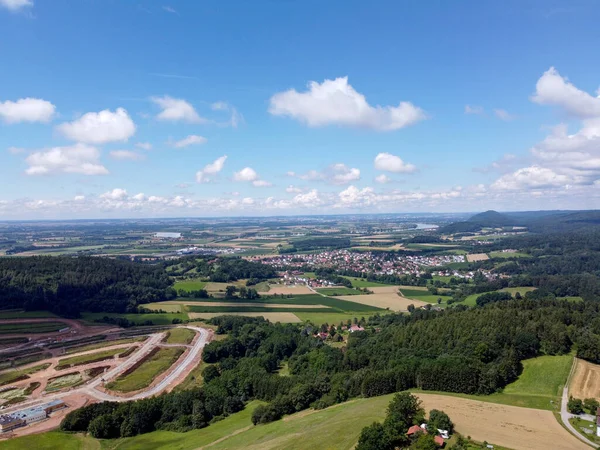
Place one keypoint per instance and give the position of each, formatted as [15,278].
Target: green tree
[374,437]
[403,411]
[575,405]
[439,420]
[591,404]
[230,291]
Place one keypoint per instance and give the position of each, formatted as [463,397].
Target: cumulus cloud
[27,110]
[291,189]
[16,5]
[248,174]
[335,174]
[79,158]
[562,160]
[144,145]
[336,102]
[192,139]
[115,194]
[383,179]
[177,109]
[474,109]
[530,177]
[503,114]
[99,127]
[553,89]
[126,155]
[261,183]
[206,174]
[392,163]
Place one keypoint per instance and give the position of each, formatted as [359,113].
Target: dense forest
[476,351]
[67,285]
[221,270]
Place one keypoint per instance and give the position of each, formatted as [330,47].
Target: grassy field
[161,306]
[504,255]
[15,375]
[20,314]
[147,371]
[64,381]
[423,295]
[21,328]
[139,319]
[251,309]
[571,299]
[539,384]
[521,289]
[333,318]
[338,291]
[362,283]
[180,336]
[340,305]
[65,363]
[189,285]
[51,441]
[86,348]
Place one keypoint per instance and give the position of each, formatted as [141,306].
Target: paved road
[181,367]
[565,415]
[90,388]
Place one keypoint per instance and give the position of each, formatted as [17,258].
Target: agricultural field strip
[252,304]
[318,299]
[257,308]
[283,317]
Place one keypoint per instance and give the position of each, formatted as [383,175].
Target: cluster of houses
[365,262]
[23,417]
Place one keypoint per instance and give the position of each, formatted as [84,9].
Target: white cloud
[16,150]
[115,194]
[343,174]
[235,119]
[246,174]
[126,155]
[335,174]
[291,189]
[310,198]
[144,145]
[99,128]
[170,9]
[533,177]
[474,109]
[261,183]
[15,5]
[248,201]
[79,158]
[503,114]
[79,198]
[392,163]
[335,102]
[27,110]
[553,89]
[192,139]
[204,175]
[383,179]
[176,109]
[354,196]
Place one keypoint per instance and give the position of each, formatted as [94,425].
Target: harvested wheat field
[477,257]
[586,380]
[508,426]
[384,297]
[297,289]
[284,317]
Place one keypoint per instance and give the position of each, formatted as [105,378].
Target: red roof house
[415,429]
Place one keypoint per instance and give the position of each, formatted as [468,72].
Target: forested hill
[67,285]
[535,221]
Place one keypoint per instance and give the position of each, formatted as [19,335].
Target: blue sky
[128,108]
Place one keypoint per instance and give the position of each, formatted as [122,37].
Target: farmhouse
[354,328]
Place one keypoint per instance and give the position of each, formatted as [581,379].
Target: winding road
[89,389]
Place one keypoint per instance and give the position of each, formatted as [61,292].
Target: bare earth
[585,382]
[477,257]
[384,297]
[283,317]
[508,426]
[298,289]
